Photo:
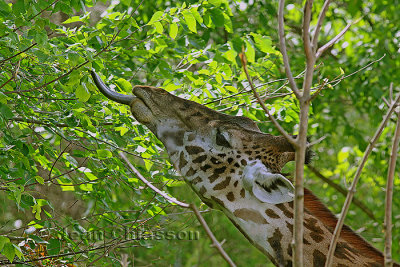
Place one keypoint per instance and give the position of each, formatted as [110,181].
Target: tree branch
[308,49]
[203,223]
[352,190]
[321,50]
[283,49]
[210,234]
[321,17]
[389,193]
[257,96]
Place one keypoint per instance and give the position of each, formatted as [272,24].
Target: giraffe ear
[267,187]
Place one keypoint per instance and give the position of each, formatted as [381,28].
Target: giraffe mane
[319,210]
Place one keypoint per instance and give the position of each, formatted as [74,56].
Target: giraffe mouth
[141,111]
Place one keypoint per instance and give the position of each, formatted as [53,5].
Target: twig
[321,18]
[319,89]
[352,189]
[306,30]
[203,223]
[342,190]
[19,53]
[283,49]
[210,234]
[14,74]
[52,124]
[274,121]
[321,50]
[389,193]
[152,187]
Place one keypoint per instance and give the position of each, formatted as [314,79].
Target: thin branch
[283,49]
[19,53]
[352,189]
[321,18]
[319,89]
[308,49]
[274,121]
[52,124]
[321,50]
[210,234]
[342,190]
[152,187]
[203,223]
[389,194]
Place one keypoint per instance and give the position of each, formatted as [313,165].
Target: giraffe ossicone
[234,167]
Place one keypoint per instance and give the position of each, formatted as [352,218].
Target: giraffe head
[175,120]
[201,140]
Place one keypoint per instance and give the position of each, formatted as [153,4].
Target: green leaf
[217,17]
[5,111]
[264,43]
[86,187]
[124,85]
[9,251]
[156,16]
[19,7]
[38,239]
[37,209]
[250,53]
[196,15]
[54,246]
[159,27]
[122,130]
[216,3]
[4,7]
[228,23]
[39,179]
[134,23]
[41,38]
[190,20]
[103,154]
[91,176]
[18,251]
[82,93]
[3,240]
[72,19]
[173,30]
[66,186]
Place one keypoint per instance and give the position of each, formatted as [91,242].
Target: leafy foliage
[61,181]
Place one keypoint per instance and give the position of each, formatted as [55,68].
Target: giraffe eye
[221,140]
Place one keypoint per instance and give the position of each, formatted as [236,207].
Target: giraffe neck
[217,180]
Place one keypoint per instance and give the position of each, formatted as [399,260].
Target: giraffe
[235,168]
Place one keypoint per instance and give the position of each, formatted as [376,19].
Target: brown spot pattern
[319,258]
[242,193]
[202,190]
[285,211]
[200,159]
[223,184]
[250,215]
[182,160]
[190,172]
[230,196]
[272,214]
[196,180]
[275,241]
[192,150]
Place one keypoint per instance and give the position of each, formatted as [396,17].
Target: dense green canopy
[65,193]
